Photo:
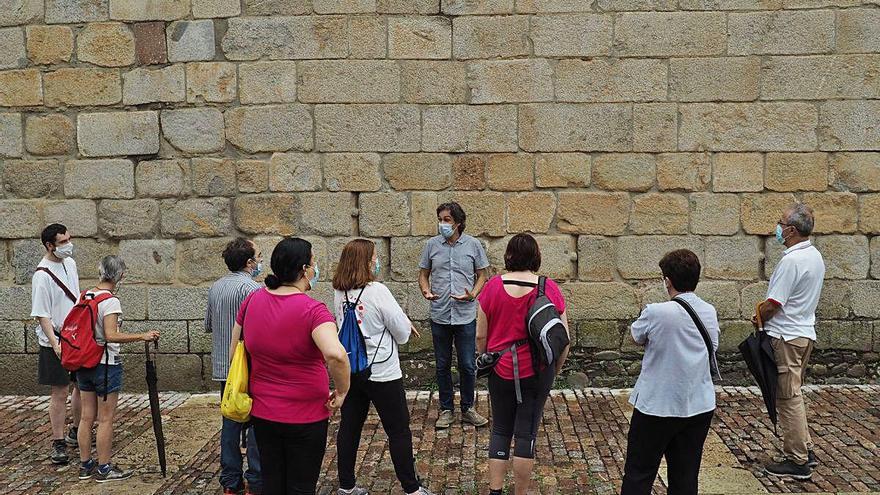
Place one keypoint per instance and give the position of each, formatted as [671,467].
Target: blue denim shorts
[92,380]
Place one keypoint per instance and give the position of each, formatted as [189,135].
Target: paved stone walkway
[580,450]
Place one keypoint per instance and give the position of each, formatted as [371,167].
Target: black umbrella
[153,389]
[758,355]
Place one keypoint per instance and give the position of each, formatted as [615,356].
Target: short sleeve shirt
[47,299]
[796,285]
[453,271]
[107,307]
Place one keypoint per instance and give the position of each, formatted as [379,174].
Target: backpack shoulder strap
[542,286]
[67,292]
[713,363]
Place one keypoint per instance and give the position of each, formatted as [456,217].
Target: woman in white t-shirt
[104,380]
[384,326]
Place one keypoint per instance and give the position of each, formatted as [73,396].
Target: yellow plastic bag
[236,403]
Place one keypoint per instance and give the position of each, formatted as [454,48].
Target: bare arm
[767,309]
[425,284]
[562,357]
[236,336]
[325,337]
[481,281]
[482,330]
[112,333]
[48,329]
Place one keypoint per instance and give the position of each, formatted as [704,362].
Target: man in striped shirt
[245,262]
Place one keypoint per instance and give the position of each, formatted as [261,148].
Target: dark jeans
[290,455]
[465,339]
[230,455]
[511,420]
[679,439]
[390,401]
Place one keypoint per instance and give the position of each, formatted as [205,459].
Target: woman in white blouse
[384,326]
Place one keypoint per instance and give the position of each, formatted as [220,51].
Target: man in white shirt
[789,317]
[54,291]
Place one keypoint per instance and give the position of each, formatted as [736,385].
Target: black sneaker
[788,468]
[71,439]
[812,461]
[88,470]
[112,474]
[59,452]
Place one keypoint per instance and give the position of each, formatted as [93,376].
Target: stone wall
[614,130]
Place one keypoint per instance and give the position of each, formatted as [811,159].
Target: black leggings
[290,456]
[390,401]
[511,420]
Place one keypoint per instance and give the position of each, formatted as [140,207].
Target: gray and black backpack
[547,334]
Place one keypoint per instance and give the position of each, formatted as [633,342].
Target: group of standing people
[294,352]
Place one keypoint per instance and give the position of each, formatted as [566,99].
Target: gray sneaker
[424,491]
[71,439]
[445,420]
[112,474]
[472,417]
[354,491]
[59,453]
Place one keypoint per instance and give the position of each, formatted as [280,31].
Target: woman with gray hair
[104,380]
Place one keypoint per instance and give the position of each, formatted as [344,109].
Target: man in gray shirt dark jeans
[452,272]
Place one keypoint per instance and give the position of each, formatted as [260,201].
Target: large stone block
[213,176]
[177,303]
[190,41]
[164,85]
[269,128]
[12,336]
[215,8]
[405,255]
[352,171]
[470,7]
[153,10]
[12,49]
[18,219]
[869,213]
[733,258]
[760,212]
[349,81]
[600,80]
[20,88]
[683,171]
[510,172]
[714,79]
[200,260]
[304,37]
[864,294]
[469,128]
[820,77]
[417,171]
[295,172]
[562,170]
[485,211]
[737,172]
[490,37]
[82,87]
[277,7]
[79,216]
[847,125]
[423,217]
[52,134]
[723,295]
[507,81]
[433,81]
[576,35]
[655,127]
[194,130]
[637,257]
[849,335]
[49,44]
[624,172]
[596,334]
[747,127]
[108,44]
[26,254]
[149,43]
[656,213]
[592,213]
[249,213]
[16,12]
[596,258]
[469,172]
[327,214]
[367,128]
[252,176]
[781,32]
[162,178]
[384,214]
[408,6]
[95,179]
[10,135]
[797,172]
[127,219]
[118,133]
[196,217]
[589,300]
[559,255]
[530,212]
[846,256]
[856,172]
[670,33]
[267,82]
[419,37]
[714,214]
[31,178]
[575,127]
[834,212]
[211,82]
[857,30]
[149,260]
[367,37]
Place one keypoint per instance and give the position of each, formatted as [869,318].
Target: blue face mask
[314,280]
[377,267]
[446,230]
[779,237]
[258,270]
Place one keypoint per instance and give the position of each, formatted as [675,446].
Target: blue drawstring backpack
[353,340]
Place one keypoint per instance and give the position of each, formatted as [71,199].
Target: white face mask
[64,250]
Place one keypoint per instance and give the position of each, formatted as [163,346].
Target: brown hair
[522,254]
[682,268]
[354,270]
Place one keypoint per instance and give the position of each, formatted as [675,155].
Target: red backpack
[79,349]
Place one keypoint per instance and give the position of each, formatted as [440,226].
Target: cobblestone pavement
[580,449]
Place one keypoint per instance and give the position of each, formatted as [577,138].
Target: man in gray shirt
[245,262]
[452,272]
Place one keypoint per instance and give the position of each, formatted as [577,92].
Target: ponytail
[273,282]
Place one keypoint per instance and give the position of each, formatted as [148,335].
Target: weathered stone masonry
[614,130]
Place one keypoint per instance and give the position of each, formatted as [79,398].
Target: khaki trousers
[791,363]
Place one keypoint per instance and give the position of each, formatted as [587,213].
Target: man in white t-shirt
[789,317]
[54,291]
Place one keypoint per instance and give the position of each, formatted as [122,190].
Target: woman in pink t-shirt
[501,322]
[289,337]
